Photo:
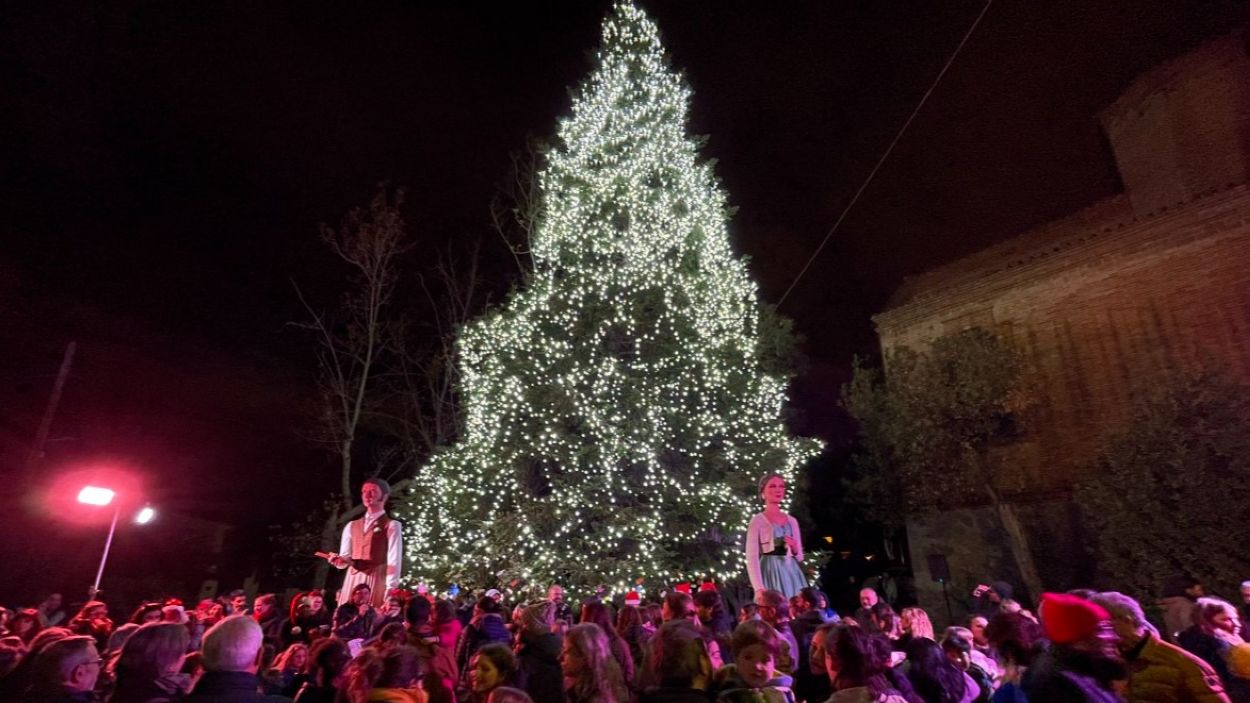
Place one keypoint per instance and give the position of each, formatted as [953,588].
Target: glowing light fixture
[95,495]
[145,515]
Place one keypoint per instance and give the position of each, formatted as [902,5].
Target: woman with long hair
[390,676]
[326,660]
[629,627]
[149,668]
[591,674]
[913,625]
[601,615]
[936,678]
[491,666]
[858,664]
[886,621]
[25,625]
[290,669]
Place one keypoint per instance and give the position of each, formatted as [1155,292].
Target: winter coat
[730,688]
[133,689]
[230,687]
[538,667]
[860,694]
[1051,680]
[491,628]
[1163,673]
[1214,651]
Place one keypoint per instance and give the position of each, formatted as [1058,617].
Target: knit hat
[632,598]
[1067,619]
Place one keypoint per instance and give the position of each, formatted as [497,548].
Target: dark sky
[165,166]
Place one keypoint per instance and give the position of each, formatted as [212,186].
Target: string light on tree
[620,406]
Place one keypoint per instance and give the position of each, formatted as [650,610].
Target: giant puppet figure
[371,549]
[774,546]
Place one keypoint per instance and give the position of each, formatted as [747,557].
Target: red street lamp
[99,496]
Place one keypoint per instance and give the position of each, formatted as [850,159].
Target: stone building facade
[1103,302]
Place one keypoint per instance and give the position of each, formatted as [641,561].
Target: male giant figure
[371,548]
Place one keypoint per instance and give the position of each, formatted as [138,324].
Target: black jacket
[230,687]
[675,695]
[538,667]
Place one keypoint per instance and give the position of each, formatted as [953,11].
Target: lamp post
[99,496]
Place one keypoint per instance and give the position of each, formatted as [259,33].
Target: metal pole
[95,588]
[45,425]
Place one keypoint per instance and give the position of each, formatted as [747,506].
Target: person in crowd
[392,612]
[914,625]
[290,669]
[988,600]
[65,671]
[93,621]
[1158,672]
[629,627]
[538,654]
[236,602]
[600,614]
[775,611]
[327,659]
[753,675]
[1212,638]
[311,619]
[885,622]
[590,673]
[976,626]
[354,620]
[936,678]
[1082,663]
[803,627]
[1179,595]
[857,664]
[975,657]
[678,605]
[1244,590]
[147,612]
[232,654]
[113,652]
[149,669]
[653,617]
[563,612]
[814,684]
[868,598]
[822,604]
[748,611]
[438,649]
[11,652]
[683,670]
[391,676]
[957,646]
[371,547]
[268,615]
[1016,640]
[491,666]
[507,694]
[25,625]
[710,607]
[16,683]
[774,547]
[50,612]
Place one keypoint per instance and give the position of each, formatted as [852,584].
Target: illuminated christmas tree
[621,405]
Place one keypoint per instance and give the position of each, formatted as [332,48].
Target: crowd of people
[685,647]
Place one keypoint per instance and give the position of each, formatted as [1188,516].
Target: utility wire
[872,174]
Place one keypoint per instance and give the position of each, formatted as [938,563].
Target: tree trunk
[345,452]
[327,545]
[1019,543]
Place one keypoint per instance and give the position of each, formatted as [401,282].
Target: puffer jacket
[1165,673]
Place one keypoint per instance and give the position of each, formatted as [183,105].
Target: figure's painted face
[775,490]
[372,497]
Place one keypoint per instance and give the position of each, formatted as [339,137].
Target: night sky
[166,165]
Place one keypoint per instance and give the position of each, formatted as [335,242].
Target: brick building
[1103,301]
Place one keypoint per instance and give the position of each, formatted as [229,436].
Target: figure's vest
[369,551]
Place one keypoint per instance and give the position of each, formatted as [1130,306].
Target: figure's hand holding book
[337,559]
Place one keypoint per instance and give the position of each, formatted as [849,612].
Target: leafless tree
[516,206]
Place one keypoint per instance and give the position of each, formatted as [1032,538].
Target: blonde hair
[921,626]
[284,659]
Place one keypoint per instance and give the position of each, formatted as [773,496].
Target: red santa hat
[683,587]
[707,586]
[1067,619]
[632,598]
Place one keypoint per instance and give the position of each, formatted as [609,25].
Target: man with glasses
[65,672]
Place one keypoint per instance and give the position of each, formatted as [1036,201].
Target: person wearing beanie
[988,600]
[1158,672]
[1082,664]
